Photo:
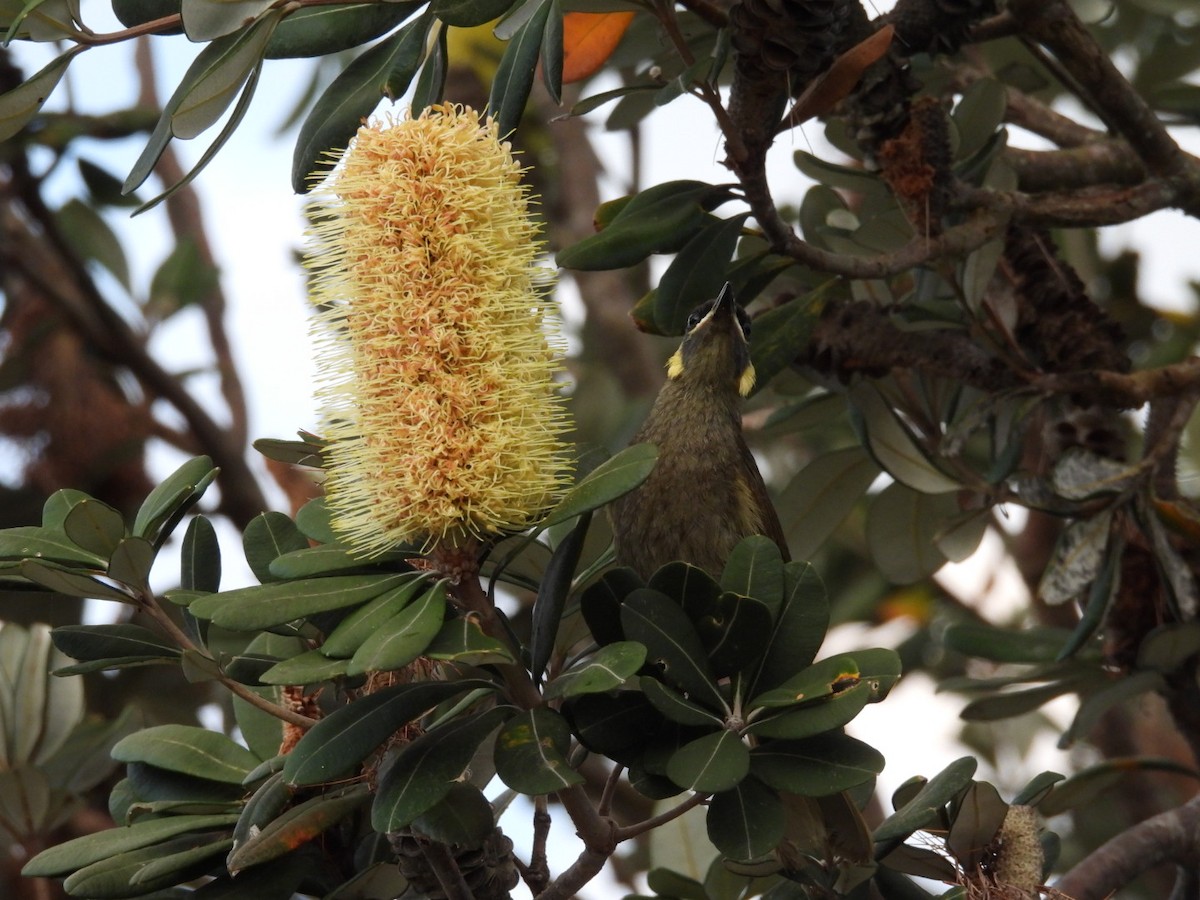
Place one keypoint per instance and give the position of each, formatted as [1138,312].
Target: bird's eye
[694,320]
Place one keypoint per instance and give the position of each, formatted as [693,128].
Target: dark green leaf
[200,559]
[1081,790]
[310,561]
[386,70]
[552,596]
[666,883]
[1016,703]
[820,680]
[314,521]
[350,634]
[1038,788]
[608,481]
[552,52]
[605,670]
[93,240]
[271,798]
[657,622]
[746,822]
[660,219]
[404,636]
[689,586]
[902,526]
[832,175]
[75,854]
[612,723]
[424,771]
[531,752]
[698,272]
[979,815]
[893,445]
[309,667]
[263,606]
[170,499]
[93,642]
[675,707]
[294,453]
[71,582]
[799,628]
[601,603]
[269,536]
[463,818]
[514,76]
[139,872]
[926,805]
[755,569]
[461,640]
[469,13]
[337,744]
[431,83]
[815,718]
[735,632]
[715,762]
[188,750]
[321,30]
[1097,704]
[297,826]
[816,766]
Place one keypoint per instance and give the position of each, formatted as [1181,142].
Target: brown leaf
[820,97]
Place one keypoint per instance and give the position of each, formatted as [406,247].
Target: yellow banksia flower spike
[436,349]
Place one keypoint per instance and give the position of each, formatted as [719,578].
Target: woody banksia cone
[432,339]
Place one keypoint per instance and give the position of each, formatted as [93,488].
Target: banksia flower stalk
[438,362]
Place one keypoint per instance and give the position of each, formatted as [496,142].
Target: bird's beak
[726,305]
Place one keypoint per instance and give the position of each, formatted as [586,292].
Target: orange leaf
[840,79]
[588,40]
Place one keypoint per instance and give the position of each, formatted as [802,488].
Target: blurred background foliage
[944,352]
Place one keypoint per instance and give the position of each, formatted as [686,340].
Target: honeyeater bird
[705,492]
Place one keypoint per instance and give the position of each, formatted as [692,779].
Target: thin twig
[539,868]
[604,807]
[445,869]
[630,831]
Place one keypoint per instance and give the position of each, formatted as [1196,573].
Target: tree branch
[1172,836]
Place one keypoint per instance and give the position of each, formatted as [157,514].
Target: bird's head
[715,349]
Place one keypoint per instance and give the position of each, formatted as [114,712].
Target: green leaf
[1095,705]
[131,563]
[463,818]
[660,219]
[746,822]
[755,569]
[71,582]
[271,798]
[33,542]
[699,270]
[835,176]
[366,621]
[385,70]
[979,815]
[469,13]
[299,825]
[142,871]
[322,30]
[334,747]
[310,561]
[63,858]
[404,636]
[263,606]
[814,718]
[294,453]
[204,95]
[1079,557]
[817,766]
[927,804]
[1017,703]
[314,521]
[666,883]
[552,596]
[92,239]
[170,499]
[822,494]
[654,620]
[431,83]
[425,770]
[552,52]
[715,762]
[58,506]
[461,640]
[200,558]
[735,632]
[612,723]
[514,76]
[611,479]
[676,707]
[531,752]
[902,527]
[605,670]
[19,105]
[188,750]
[601,602]
[978,114]
[309,667]
[204,20]
[820,680]
[894,447]
[185,278]
[779,333]
[269,536]
[799,628]
[94,642]
[1033,645]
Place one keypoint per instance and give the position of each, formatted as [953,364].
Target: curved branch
[1172,836]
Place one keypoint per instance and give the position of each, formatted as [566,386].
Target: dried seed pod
[488,870]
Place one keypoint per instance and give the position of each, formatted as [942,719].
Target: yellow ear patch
[746,382]
[675,365]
